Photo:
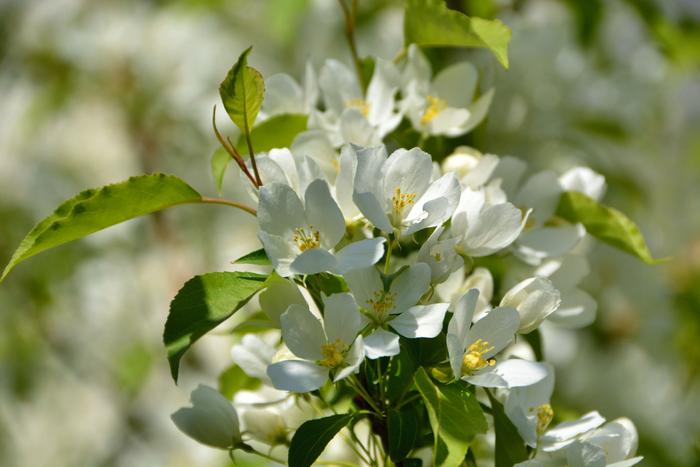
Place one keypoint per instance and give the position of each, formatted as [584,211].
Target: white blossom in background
[535,299]
[442,105]
[283,95]
[211,420]
[529,409]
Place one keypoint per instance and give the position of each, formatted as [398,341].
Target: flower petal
[421,321]
[323,213]
[508,374]
[363,284]
[313,261]
[302,333]
[279,209]
[297,375]
[497,328]
[341,320]
[253,355]
[353,360]
[410,286]
[358,255]
[280,252]
[408,171]
[381,343]
[577,310]
[278,295]
[438,202]
[456,84]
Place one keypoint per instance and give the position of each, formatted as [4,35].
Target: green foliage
[259,322]
[275,132]
[98,208]
[510,448]
[400,373]
[311,438]
[233,379]
[455,418]
[242,92]
[403,427]
[605,223]
[219,163]
[325,283]
[203,303]
[257,257]
[429,23]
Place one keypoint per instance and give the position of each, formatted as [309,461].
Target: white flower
[471,347]
[349,116]
[395,309]
[283,95]
[528,407]
[265,425]
[473,168]
[534,299]
[577,308]
[253,355]
[332,346]
[439,256]
[396,193]
[455,286]
[211,420]
[584,180]
[484,228]
[280,166]
[298,237]
[443,106]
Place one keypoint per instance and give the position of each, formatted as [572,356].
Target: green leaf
[259,322]
[202,304]
[234,379]
[257,257]
[400,373]
[219,163]
[311,438]
[403,427]
[606,224]
[324,283]
[275,132]
[455,418]
[510,448]
[242,93]
[98,208]
[429,23]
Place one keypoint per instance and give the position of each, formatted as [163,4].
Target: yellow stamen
[435,106]
[359,104]
[474,357]
[400,201]
[382,303]
[332,354]
[306,237]
[545,414]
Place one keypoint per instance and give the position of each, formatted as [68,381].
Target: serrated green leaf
[403,427]
[202,304]
[99,208]
[257,257]
[242,93]
[606,224]
[510,448]
[455,418]
[275,132]
[234,379]
[311,438]
[429,23]
[219,163]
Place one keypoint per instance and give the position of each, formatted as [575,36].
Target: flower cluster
[384,256]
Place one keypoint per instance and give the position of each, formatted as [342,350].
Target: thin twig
[233,152]
[226,202]
[350,36]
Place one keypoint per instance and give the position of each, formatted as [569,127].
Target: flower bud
[266,426]
[211,420]
[535,299]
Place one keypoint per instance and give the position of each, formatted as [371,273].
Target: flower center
[474,357]
[381,304]
[545,414]
[306,237]
[401,201]
[332,354]
[359,104]
[435,106]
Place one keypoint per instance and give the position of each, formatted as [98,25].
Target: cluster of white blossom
[404,235]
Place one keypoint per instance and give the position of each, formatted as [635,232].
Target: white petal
[582,454]
[584,180]
[540,192]
[280,252]
[421,320]
[566,431]
[448,122]
[381,91]
[522,403]
[316,145]
[497,328]
[456,83]
[359,255]
[438,202]
[368,192]
[282,95]
[323,213]
[302,333]
[277,296]
[498,226]
[477,112]
[408,171]
[279,209]
[535,298]
[410,286]
[508,374]
[253,355]
[546,242]
[363,284]
[466,215]
[381,343]
[344,181]
[341,319]
[310,85]
[565,273]
[479,175]
[577,310]
[211,420]
[297,375]
[458,328]
[618,439]
[338,85]
[313,261]
[356,129]
[509,170]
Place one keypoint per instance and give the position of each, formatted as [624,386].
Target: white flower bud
[583,180]
[211,420]
[266,426]
[535,299]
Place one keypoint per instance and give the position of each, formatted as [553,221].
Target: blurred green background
[93,91]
